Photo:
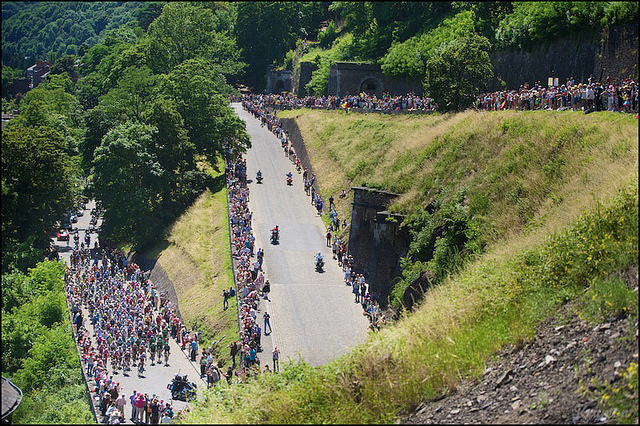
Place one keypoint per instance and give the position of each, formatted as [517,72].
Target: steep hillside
[555,197]
[521,170]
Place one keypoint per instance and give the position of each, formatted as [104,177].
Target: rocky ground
[541,381]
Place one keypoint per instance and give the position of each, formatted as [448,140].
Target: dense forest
[135,112]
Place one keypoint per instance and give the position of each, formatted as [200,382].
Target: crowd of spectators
[363,102]
[621,96]
[257,106]
[131,321]
[249,276]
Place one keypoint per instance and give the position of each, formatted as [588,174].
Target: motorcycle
[289,179]
[182,389]
[274,236]
[259,178]
[319,265]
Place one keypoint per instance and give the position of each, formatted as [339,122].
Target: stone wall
[376,240]
[290,126]
[278,81]
[580,55]
[301,76]
[349,78]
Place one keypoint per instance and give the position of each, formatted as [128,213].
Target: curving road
[313,314]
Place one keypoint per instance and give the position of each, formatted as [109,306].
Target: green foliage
[20,255]
[376,26]
[440,242]
[148,12]
[533,22]
[209,120]
[127,180]
[8,74]
[607,297]
[66,64]
[342,49]
[49,30]
[411,56]
[329,35]
[458,71]
[129,98]
[265,31]
[619,398]
[37,183]
[39,354]
[186,31]
[65,403]
[488,14]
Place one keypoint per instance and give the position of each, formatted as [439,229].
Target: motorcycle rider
[275,232]
[319,259]
[259,175]
[289,177]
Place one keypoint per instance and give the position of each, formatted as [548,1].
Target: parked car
[80,212]
[63,235]
[68,226]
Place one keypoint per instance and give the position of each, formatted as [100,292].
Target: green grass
[197,259]
[535,161]
[554,194]
[458,326]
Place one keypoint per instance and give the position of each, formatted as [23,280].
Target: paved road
[155,378]
[313,314]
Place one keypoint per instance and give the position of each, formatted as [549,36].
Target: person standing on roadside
[140,411]
[234,351]
[154,411]
[266,317]
[276,359]
[120,403]
[203,363]
[134,409]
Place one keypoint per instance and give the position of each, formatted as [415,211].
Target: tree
[66,63]
[7,80]
[37,185]
[195,88]
[265,31]
[148,13]
[182,181]
[187,31]
[129,98]
[89,90]
[127,181]
[458,72]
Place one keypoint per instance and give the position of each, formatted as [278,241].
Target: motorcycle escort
[259,177]
[182,389]
[319,262]
[275,235]
[289,178]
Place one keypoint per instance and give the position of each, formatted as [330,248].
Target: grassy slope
[521,171]
[533,176]
[197,260]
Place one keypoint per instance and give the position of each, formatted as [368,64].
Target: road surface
[313,315]
[155,378]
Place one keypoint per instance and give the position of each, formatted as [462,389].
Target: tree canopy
[37,185]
